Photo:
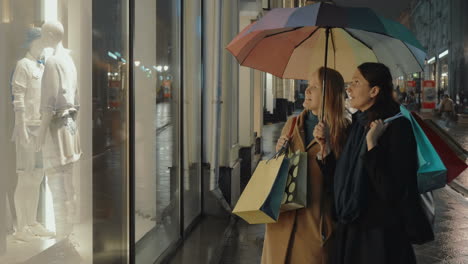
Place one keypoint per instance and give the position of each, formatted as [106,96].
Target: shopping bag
[260,201]
[295,194]
[432,173]
[454,164]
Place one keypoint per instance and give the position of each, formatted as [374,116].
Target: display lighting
[6,11]
[137,63]
[112,55]
[159,68]
[431,60]
[166,67]
[443,54]
[50,10]
[444,74]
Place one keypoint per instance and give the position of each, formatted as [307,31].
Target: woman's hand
[321,135]
[377,128]
[281,142]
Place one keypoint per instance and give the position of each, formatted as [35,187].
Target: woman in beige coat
[302,236]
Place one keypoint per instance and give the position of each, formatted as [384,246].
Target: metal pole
[324,82]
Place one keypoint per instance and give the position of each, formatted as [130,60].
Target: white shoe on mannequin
[24,235]
[39,230]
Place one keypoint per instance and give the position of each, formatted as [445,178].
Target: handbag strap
[285,147]
[291,129]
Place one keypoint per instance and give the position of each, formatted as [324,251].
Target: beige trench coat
[301,236]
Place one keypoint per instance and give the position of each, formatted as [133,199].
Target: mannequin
[58,132]
[26,88]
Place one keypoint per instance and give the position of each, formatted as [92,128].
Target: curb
[458,187]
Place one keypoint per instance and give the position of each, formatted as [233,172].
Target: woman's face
[313,94]
[361,95]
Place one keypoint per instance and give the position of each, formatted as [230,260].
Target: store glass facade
[101,129]
[64,112]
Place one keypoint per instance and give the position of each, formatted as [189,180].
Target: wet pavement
[450,246]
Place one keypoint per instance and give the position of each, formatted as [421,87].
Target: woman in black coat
[374,179]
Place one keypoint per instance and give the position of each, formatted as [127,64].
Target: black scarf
[351,181]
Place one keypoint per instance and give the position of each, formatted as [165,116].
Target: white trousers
[30,176]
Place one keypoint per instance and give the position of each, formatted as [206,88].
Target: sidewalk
[451,245]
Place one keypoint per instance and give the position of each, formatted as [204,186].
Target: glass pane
[192,111]
[110,130]
[157,67]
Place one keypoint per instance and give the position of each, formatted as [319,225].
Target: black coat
[379,234]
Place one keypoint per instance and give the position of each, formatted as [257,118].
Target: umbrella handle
[324,81]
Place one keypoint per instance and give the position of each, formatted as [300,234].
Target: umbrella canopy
[291,42]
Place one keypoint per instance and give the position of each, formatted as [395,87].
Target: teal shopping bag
[432,173]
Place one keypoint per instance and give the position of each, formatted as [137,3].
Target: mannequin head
[32,35]
[52,33]
[37,47]
[34,42]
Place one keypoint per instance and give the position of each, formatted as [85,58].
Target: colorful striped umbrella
[293,43]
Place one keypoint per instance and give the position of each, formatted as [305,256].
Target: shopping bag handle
[291,130]
[285,146]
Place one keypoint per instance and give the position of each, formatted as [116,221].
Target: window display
[46,213]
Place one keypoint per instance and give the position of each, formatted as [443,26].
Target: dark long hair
[377,74]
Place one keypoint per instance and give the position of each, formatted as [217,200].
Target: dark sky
[387,8]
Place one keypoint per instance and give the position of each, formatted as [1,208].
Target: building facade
[441,28]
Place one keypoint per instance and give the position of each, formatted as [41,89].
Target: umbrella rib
[308,37]
[404,43]
[286,31]
[356,38]
[420,66]
[334,48]
[298,46]
[250,51]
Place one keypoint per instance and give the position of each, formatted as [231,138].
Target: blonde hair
[335,115]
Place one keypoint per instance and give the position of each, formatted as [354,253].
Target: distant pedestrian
[462,97]
[403,97]
[440,95]
[447,108]
[411,101]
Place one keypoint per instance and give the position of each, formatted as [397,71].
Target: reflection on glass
[110,126]
[156,68]
[192,111]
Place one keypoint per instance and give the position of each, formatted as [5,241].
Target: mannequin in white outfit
[26,88]
[58,133]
